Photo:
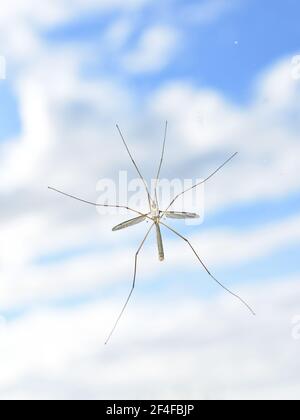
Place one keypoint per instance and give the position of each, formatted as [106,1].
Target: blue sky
[10,123]
[221,73]
[226,53]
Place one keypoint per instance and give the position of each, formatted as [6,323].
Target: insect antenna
[135,165]
[160,163]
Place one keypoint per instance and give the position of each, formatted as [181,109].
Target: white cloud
[154,51]
[21,29]
[171,348]
[56,11]
[22,160]
[118,33]
[278,87]
[209,11]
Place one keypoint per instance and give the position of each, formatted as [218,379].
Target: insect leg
[199,183]
[207,270]
[133,284]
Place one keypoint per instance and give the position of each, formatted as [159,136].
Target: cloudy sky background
[225,75]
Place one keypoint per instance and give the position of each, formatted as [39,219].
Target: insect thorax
[154,210]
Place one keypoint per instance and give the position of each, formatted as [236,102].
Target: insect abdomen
[161,253]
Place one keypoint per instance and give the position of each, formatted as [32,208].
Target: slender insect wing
[181,215]
[130,222]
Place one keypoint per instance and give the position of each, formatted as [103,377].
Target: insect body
[156,217]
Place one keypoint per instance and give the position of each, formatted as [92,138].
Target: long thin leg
[161,162]
[135,165]
[200,183]
[204,266]
[133,284]
[95,204]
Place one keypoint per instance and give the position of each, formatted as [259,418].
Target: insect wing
[130,222]
[181,215]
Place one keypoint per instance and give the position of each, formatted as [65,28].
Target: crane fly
[156,216]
